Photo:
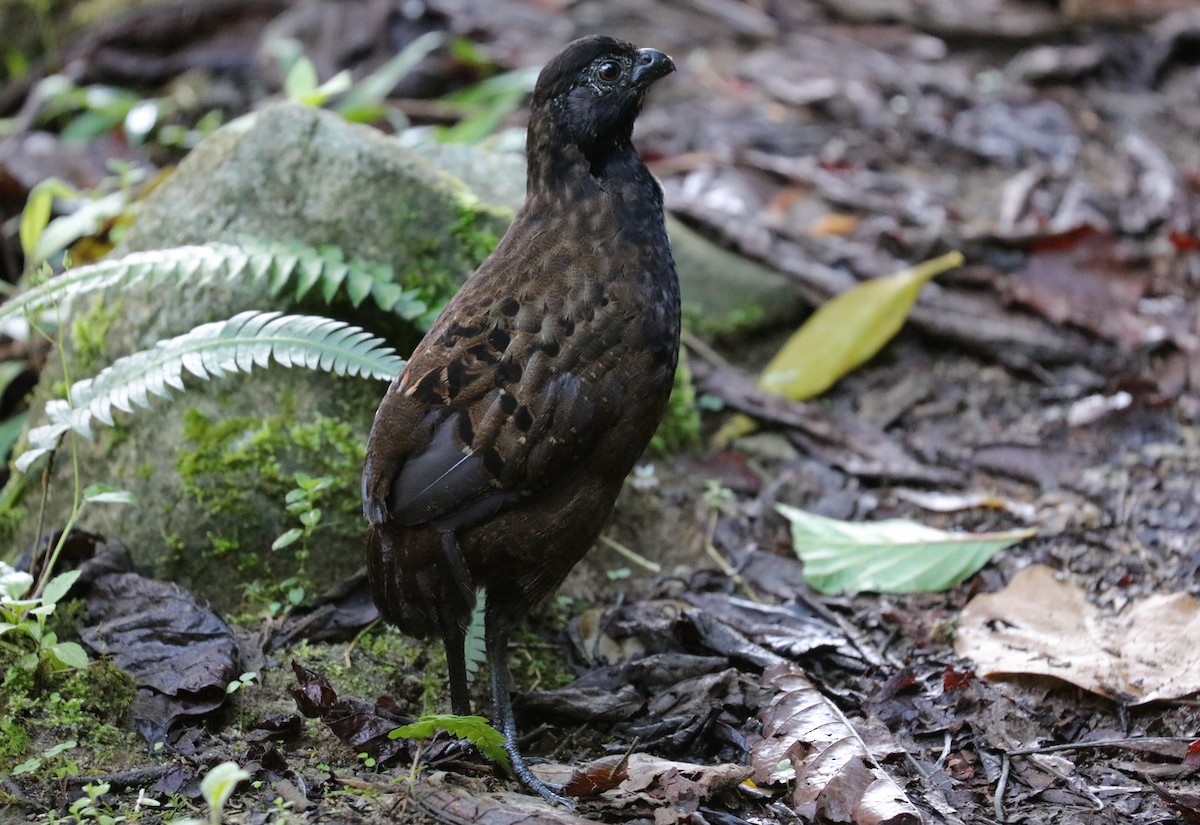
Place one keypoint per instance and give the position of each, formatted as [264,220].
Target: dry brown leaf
[449,804]
[668,791]
[1038,625]
[836,776]
[598,776]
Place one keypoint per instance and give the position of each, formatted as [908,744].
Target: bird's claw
[548,792]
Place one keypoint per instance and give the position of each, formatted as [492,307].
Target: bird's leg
[459,599]
[497,625]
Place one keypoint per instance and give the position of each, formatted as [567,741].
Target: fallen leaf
[181,653]
[674,791]
[890,556]
[844,332]
[805,737]
[1038,625]
[943,502]
[598,776]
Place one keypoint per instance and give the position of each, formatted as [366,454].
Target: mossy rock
[211,470]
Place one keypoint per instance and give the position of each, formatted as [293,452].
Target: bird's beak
[651,65]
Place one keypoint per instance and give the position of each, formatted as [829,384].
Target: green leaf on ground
[475,729]
[892,556]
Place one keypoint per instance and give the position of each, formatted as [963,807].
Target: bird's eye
[608,71]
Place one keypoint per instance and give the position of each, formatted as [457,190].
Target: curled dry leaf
[597,777]
[836,776]
[181,653]
[673,790]
[1041,626]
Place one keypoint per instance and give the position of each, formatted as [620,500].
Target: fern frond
[239,344]
[276,264]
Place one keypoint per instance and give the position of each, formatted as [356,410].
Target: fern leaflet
[475,729]
[275,264]
[239,344]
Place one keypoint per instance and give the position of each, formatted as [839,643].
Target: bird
[498,452]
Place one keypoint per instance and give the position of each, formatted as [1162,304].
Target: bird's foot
[548,792]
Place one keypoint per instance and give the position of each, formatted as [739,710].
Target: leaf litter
[923,144]
[1039,625]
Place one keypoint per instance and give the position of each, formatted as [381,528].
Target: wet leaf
[891,556]
[807,739]
[361,725]
[1038,625]
[181,654]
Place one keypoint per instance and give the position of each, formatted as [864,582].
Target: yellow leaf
[843,333]
[847,330]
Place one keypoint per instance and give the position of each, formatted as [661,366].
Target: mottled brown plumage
[497,454]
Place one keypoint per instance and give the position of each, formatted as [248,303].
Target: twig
[941,760]
[355,641]
[696,344]
[998,802]
[632,555]
[1099,743]
[727,568]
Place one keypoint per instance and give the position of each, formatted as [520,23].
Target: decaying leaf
[598,776]
[674,791]
[446,803]
[890,556]
[182,655]
[1038,625]
[836,776]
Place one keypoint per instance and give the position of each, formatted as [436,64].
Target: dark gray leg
[456,663]
[458,599]
[497,625]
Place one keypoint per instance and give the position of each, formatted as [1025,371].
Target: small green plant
[218,786]
[88,808]
[475,729]
[52,758]
[24,613]
[301,502]
[244,681]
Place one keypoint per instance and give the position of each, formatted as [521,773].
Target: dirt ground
[1054,377]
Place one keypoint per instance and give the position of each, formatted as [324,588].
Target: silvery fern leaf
[247,340]
[275,264]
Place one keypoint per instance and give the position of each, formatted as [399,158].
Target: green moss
[230,466]
[474,231]
[83,705]
[680,427]
[473,235]
[88,334]
[384,661]
[709,326]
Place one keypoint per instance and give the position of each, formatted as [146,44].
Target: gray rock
[211,469]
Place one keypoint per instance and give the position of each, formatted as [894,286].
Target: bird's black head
[590,94]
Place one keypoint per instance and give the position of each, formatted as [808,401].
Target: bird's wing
[492,410]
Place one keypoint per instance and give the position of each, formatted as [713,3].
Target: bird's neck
[557,165]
